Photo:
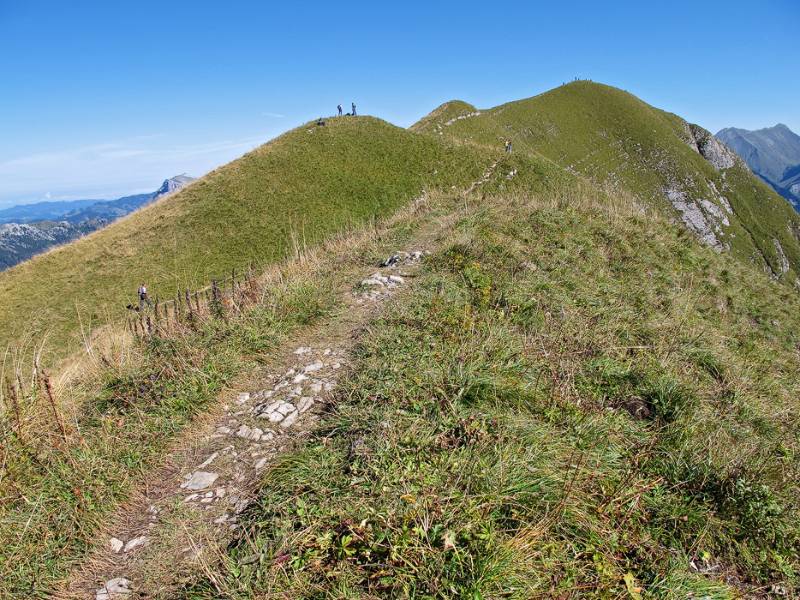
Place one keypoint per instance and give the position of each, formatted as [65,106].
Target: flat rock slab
[135,543]
[200,480]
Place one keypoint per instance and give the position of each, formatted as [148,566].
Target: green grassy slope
[122,416]
[616,139]
[442,115]
[576,401]
[305,185]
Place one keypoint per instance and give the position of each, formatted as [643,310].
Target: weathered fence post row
[190,307]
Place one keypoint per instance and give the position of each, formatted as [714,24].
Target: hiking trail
[187,510]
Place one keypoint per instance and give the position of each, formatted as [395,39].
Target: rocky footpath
[221,474]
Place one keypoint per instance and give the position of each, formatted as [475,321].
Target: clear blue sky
[104,98]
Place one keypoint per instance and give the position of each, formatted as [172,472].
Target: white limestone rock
[200,480]
[114,589]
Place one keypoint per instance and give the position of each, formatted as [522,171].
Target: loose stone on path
[114,589]
[135,543]
[200,480]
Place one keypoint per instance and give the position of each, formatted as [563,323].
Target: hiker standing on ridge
[143,298]
[339,107]
[353,104]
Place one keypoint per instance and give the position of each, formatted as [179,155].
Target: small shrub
[668,398]
[479,283]
[709,363]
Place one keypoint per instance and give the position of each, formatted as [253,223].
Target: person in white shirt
[143,299]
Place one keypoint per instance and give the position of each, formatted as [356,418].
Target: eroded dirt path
[187,511]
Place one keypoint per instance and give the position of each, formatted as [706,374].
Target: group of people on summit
[352,112]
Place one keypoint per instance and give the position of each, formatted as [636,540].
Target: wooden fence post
[217,308]
[189,306]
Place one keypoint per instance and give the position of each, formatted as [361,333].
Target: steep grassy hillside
[614,138]
[577,400]
[298,189]
[572,397]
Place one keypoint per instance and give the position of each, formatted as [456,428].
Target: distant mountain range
[29,229]
[772,153]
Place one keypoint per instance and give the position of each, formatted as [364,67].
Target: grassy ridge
[441,115]
[576,397]
[575,400]
[613,137]
[300,188]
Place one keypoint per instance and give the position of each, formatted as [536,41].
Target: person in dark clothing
[339,107]
[508,146]
[320,122]
[353,104]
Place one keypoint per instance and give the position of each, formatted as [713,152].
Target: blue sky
[100,99]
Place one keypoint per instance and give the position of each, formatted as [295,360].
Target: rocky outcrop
[783,262]
[715,152]
[702,217]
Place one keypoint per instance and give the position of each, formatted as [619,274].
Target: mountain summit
[772,153]
[618,141]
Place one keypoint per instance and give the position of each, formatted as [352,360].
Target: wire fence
[218,299]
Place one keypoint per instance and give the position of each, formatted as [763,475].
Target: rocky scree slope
[618,141]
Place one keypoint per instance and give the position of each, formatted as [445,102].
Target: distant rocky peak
[173,184]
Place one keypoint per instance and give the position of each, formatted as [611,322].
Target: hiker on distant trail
[353,104]
[143,298]
[320,122]
[339,107]
[508,146]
